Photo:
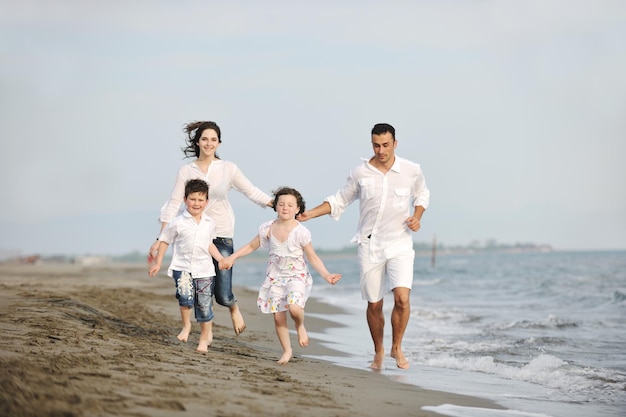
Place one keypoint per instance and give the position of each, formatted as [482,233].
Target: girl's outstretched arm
[319,266]
[228,262]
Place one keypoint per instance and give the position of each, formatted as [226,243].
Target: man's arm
[320,210]
[413,222]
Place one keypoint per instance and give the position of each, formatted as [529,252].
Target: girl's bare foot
[285,358]
[238,323]
[401,361]
[303,337]
[377,363]
[184,333]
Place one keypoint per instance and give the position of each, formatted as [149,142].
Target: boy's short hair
[196,186]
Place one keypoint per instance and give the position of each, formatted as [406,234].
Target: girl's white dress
[287,278]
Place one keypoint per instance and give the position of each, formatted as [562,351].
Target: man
[388,189]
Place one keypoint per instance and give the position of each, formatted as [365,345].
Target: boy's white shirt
[190,243]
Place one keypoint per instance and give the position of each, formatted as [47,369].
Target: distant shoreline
[137,257]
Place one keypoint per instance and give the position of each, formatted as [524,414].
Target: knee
[402,305]
[280,319]
[402,299]
[204,312]
[295,310]
[224,301]
[375,307]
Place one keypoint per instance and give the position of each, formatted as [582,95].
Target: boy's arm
[155,246]
[215,252]
[319,266]
[156,266]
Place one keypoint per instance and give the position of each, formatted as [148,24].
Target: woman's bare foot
[303,337]
[285,358]
[238,323]
[377,363]
[184,333]
[401,361]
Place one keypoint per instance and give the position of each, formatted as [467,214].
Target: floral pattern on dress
[287,279]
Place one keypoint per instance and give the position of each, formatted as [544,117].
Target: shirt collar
[395,167]
[188,215]
[396,164]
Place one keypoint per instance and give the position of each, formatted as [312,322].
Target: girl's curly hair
[289,191]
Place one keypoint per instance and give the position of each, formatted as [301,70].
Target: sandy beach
[101,341]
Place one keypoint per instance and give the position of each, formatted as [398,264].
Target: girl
[287,282]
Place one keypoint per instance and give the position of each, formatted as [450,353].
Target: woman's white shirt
[222,176]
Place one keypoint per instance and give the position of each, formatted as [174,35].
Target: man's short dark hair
[381,128]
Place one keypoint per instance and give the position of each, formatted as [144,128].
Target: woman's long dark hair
[194,133]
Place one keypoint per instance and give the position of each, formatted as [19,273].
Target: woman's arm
[242,184]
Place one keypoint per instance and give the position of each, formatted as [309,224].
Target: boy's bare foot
[303,337]
[377,363]
[401,361]
[184,334]
[238,323]
[204,344]
[285,358]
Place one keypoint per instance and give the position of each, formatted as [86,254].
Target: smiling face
[287,207]
[208,144]
[196,202]
[384,146]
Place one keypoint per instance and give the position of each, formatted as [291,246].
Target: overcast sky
[516,111]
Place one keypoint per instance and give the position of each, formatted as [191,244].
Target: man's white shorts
[397,267]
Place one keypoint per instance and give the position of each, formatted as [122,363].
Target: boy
[192,268]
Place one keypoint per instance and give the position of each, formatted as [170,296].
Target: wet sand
[101,341]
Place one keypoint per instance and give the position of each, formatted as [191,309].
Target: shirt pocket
[366,186]
[401,197]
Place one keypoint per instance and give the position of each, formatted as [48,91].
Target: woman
[203,140]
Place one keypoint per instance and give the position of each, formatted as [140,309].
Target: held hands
[226,263]
[332,279]
[304,216]
[413,223]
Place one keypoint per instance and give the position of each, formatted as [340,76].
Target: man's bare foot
[184,334]
[303,337]
[377,363]
[401,361]
[238,323]
[204,344]
[285,358]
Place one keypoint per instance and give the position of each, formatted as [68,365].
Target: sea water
[542,334]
